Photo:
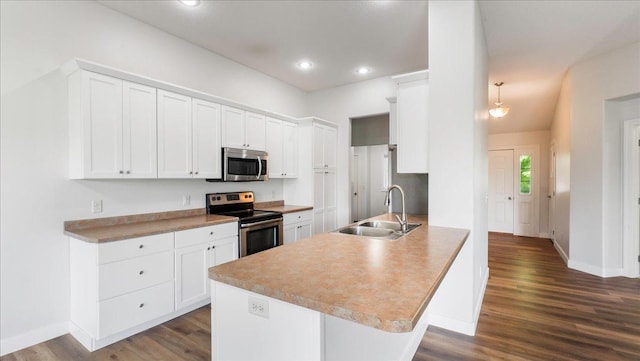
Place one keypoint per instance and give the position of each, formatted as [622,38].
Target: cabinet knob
[190,172]
[141,305]
[213,247]
[141,273]
[141,246]
[196,172]
[211,233]
[128,172]
[208,248]
[248,145]
[121,172]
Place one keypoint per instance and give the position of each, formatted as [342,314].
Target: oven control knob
[218,198]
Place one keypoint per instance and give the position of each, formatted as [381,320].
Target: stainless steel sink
[394,226]
[366,231]
[377,229]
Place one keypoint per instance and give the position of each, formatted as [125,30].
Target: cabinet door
[139,131]
[233,127]
[206,139]
[303,231]
[289,234]
[275,148]
[330,200]
[290,150]
[224,250]
[192,282]
[174,136]
[318,146]
[102,126]
[412,127]
[255,130]
[330,140]
[318,201]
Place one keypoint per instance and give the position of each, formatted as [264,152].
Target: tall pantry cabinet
[316,183]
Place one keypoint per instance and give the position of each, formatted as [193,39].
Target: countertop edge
[120,237]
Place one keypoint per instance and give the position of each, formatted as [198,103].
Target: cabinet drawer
[134,247]
[291,218]
[118,278]
[199,235]
[121,313]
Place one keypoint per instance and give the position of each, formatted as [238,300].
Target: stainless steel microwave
[244,165]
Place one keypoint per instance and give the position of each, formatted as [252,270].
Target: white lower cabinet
[123,287]
[324,201]
[208,247]
[297,226]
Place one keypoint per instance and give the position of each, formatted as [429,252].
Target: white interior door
[501,191]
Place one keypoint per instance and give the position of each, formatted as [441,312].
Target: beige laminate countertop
[379,283]
[116,232]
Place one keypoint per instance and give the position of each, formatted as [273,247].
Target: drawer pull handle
[141,273]
[141,246]
[141,305]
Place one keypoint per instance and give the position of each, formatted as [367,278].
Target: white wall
[36,195]
[338,105]
[561,140]
[458,87]
[540,138]
[595,144]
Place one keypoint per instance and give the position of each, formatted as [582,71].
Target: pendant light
[499,111]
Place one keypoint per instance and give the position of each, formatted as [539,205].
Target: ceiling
[531,44]
[273,36]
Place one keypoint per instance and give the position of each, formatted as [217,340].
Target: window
[525,174]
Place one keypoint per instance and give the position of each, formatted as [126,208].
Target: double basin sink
[377,229]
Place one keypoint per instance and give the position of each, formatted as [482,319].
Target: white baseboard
[15,343]
[464,327]
[596,270]
[561,252]
[544,235]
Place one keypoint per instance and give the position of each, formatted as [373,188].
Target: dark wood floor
[534,309]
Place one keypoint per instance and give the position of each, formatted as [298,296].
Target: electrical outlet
[96,206]
[259,307]
[186,200]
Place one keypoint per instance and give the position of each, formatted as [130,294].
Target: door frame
[631,192]
[516,183]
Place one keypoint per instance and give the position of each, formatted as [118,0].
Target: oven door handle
[259,168]
[248,225]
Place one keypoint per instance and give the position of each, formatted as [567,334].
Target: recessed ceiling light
[190,2]
[305,65]
[363,70]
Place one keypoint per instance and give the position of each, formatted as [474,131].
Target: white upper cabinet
[412,124]
[282,146]
[140,157]
[244,130]
[290,149]
[324,146]
[233,127]
[207,139]
[174,136]
[189,137]
[255,129]
[112,127]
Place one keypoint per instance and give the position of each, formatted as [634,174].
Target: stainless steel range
[259,230]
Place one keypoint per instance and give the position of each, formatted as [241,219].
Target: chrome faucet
[387,201]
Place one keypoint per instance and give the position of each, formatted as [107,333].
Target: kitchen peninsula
[332,296]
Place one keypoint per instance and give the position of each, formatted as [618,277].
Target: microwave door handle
[259,168]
